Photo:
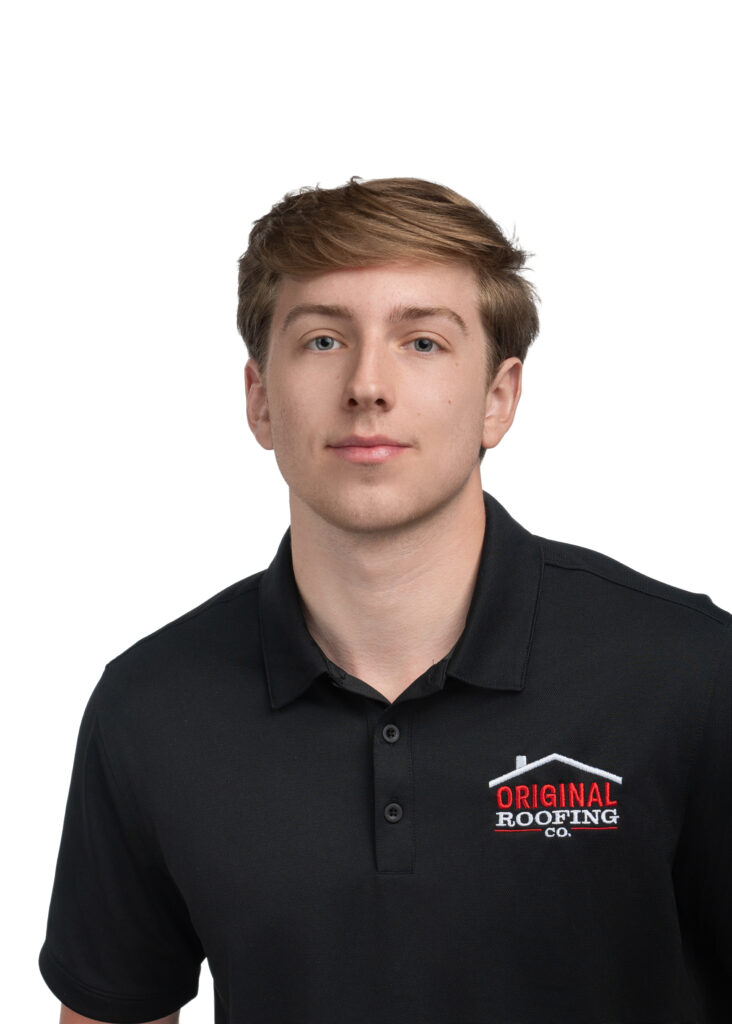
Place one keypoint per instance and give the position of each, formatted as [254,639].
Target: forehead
[374,290]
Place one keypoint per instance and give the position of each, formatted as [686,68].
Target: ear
[501,401]
[257,404]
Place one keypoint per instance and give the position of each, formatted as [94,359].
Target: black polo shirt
[537,830]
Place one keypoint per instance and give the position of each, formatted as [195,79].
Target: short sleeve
[703,863]
[120,945]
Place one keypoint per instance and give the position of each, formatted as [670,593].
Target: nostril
[365,400]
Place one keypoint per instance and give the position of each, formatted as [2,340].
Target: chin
[374,512]
[359,514]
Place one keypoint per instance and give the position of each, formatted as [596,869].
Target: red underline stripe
[575,828]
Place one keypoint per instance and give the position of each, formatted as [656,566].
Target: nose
[370,380]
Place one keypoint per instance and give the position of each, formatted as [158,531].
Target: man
[428,767]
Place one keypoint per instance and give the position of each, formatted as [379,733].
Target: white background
[142,139]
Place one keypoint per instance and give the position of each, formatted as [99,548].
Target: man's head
[386,220]
[393,308]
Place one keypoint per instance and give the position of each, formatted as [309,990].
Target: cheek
[460,406]
[292,423]
[283,416]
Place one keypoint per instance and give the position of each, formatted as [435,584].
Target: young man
[428,767]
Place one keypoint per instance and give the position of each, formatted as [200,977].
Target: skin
[385,553]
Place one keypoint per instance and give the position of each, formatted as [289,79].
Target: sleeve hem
[102,1006]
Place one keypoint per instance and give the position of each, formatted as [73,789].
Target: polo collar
[493,649]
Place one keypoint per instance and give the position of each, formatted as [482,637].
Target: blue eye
[315,343]
[424,344]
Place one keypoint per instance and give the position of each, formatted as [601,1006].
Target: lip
[359,441]
[377,448]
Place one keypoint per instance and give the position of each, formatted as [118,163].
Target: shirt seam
[187,616]
[102,994]
[534,614]
[639,588]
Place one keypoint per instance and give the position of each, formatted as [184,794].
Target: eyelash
[311,343]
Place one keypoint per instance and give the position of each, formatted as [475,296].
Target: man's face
[376,397]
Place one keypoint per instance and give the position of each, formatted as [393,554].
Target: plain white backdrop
[142,140]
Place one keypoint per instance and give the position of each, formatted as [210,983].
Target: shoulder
[593,569]
[644,644]
[205,619]
[202,649]
[613,614]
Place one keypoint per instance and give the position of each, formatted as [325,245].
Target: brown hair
[365,223]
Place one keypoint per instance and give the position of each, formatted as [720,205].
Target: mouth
[377,448]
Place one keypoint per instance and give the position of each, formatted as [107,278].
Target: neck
[384,606]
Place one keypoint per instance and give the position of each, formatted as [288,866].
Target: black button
[393,812]
[390,732]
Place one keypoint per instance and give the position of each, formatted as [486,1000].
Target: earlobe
[257,404]
[501,401]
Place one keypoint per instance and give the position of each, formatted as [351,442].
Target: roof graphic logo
[525,803]
[522,767]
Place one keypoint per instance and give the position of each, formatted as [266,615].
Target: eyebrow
[397,315]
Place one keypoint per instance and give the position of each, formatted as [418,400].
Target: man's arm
[69,1017]
[702,868]
[120,945]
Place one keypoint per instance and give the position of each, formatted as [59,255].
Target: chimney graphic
[521,760]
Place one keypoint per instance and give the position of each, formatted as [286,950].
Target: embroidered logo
[556,795]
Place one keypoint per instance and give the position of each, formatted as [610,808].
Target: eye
[323,343]
[424,344]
